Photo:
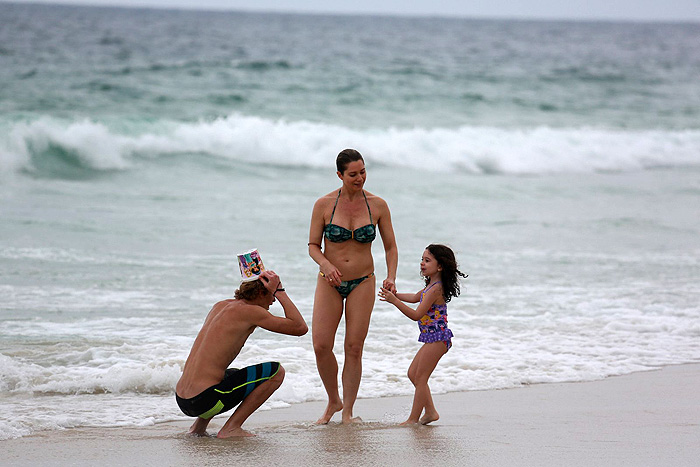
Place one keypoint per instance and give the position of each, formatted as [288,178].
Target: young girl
[439,268]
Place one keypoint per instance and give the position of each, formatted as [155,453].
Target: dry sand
[642,419]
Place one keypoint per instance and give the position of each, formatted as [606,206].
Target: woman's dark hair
[251,290]
[449,274]
[345,157]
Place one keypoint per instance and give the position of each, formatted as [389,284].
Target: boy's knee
[279,376]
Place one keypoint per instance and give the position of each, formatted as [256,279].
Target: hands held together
[388,295]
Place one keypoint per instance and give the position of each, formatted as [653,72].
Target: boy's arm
[293,323]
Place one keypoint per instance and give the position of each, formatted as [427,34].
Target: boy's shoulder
[239,309]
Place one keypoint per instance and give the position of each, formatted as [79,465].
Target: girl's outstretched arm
[430,297]
[408,297]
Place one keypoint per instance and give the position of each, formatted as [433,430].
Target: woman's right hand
[331,274]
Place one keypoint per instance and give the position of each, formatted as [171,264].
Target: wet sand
[649,418]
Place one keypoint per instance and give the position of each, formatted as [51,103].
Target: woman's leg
[328,308]
[419,372]
[358,311]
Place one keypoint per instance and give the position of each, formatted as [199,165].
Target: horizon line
[215,9]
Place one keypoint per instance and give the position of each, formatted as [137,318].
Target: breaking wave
[58,149]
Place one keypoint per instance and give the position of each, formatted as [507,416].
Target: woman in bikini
[346,220]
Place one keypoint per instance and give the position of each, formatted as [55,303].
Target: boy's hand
[270,280]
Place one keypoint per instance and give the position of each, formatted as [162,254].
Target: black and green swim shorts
[236,386]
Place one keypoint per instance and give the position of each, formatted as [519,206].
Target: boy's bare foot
[234,433]
[429,417]
[199,427]
[331,409]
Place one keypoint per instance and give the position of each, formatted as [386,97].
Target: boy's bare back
[218,343]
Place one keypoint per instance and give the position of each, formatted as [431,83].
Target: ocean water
[140,150]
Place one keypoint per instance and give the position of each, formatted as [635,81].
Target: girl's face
[354,175]
[429,265]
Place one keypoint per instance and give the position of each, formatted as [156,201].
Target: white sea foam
[259,141]
[109,363]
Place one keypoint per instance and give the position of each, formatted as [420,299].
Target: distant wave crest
[53,148]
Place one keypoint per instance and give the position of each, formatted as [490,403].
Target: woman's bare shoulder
[325,199]
[376,201]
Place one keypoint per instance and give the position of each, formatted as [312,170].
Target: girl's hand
[386,295]
[331,274]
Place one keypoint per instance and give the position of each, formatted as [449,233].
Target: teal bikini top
[338,234]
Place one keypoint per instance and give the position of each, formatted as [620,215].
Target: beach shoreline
[646,418]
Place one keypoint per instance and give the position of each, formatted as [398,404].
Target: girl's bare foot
[429,417]
[331,409]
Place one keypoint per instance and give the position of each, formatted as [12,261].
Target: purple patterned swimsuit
[433,326]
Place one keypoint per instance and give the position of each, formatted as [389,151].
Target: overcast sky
[642,10]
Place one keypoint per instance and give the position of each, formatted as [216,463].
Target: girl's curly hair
[449,274]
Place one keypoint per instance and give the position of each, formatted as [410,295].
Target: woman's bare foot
[234,433]
[331,409]
[409,423]
[429,417]
[351,420]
